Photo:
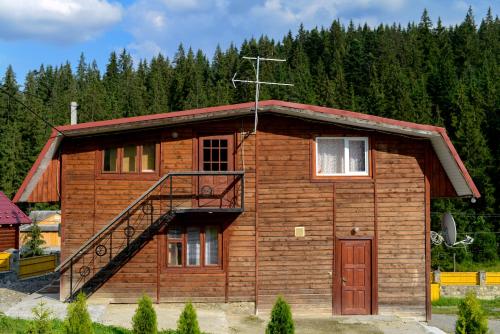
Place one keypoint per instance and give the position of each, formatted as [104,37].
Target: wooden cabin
[11,218]
[327,207]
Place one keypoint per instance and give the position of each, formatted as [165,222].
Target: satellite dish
[449,229]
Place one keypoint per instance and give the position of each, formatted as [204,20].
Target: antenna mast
[257,82]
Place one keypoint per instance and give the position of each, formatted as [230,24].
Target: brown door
[216,154]
[356,276]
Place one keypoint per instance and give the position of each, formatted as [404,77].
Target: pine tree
[144,320]
[281,318]
[34,241]
[78,318]
[188,322]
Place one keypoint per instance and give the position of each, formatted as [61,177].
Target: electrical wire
[3,90]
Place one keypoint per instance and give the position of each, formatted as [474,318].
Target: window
[130,159]
[193,247]
[215,156]
[336,156]
[110,155]
[148,158]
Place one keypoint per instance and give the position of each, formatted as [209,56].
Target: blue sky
[33,32]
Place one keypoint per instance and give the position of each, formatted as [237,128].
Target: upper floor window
[337,156]
[130,159]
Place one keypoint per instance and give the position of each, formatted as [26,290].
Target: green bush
[144,320]
[78,319]
[471,317]
[281,318]
[42,322]
[34,242]
[188,321]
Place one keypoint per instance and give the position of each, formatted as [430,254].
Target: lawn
[449,305]
[10,325]
[483,266]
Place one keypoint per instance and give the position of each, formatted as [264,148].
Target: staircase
[101,256]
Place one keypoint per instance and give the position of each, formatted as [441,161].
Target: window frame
[202,266]
[119,173]
[347,173]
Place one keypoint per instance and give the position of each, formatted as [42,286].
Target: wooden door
[216,154]
[355,276]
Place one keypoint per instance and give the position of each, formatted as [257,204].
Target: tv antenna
[449,234]
[257,82]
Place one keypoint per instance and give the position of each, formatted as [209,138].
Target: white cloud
[311,11]
[144,50]
[57,20]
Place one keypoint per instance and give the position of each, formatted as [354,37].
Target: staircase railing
[109,249]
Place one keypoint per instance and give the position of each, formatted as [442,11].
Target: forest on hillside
[421,72]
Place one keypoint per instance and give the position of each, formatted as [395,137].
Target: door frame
[196,149]
[337,277]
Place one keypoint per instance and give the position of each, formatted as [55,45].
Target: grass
[474,266]
[10,325]
[449,305]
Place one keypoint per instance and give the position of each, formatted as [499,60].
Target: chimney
[74,115]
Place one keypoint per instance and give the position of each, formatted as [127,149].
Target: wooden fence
[4,261]
[38,265]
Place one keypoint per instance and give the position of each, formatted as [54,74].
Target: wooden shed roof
[445,151]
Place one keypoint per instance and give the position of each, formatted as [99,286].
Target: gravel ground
[8,298]
[447,323]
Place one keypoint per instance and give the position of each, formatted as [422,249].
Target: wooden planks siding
[47,188]
[401,225]
[296,267]
[262,256]
[8,237]
[439,182]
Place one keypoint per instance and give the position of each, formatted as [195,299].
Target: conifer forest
[422,72]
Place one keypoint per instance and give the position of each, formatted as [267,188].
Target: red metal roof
[440,140]
[10,214]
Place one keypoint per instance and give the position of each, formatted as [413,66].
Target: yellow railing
[462,278]
[38,265]
[492,278]
[5,261]
[435,291]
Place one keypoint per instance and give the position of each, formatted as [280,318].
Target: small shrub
[34,241]
[281,318]
[42,322]
[188,321]
[471,317]
[78,319]
[144,320]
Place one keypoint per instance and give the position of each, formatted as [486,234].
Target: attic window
[338,156]
[130,159]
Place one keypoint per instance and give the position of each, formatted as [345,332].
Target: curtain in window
[211,245]
[357,156]
[330,156]
[193,246]
[128,160]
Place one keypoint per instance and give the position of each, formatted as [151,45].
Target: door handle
[344,280]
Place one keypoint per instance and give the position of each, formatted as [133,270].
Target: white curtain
[330,156]
[193,246]
[211,245]
[357,156]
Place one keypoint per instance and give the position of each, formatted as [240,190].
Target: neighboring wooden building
[328,207]
[49,222]
[11,217]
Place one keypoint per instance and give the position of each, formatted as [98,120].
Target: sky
[35,32]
